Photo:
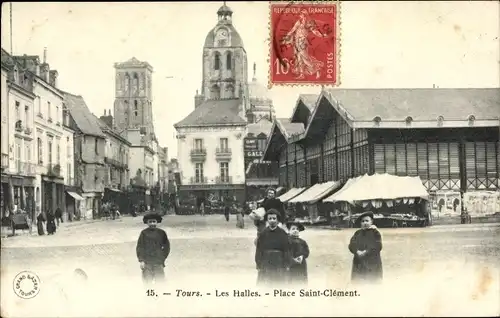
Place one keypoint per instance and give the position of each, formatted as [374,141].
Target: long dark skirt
[39,226]
[273,270]
[367,269]
[51,227]
[298,274]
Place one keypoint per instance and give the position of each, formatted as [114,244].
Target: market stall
[290,194]
[395,201]
[309,201]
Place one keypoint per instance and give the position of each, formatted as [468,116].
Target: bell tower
[133,96]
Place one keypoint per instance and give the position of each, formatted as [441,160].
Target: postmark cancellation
[304,43]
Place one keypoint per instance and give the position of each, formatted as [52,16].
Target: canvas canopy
[380,187]
[293,192]
[316,192]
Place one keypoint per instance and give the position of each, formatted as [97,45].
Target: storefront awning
[316,192]
[75,196]
[293,192]
[113,189]
[380,187]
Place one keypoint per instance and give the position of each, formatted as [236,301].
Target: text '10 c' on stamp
[304,43]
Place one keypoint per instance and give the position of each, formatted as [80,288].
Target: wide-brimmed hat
[273,211]
[152,216]
[298,225]
[367,213]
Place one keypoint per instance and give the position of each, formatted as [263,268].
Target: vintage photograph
[252,158]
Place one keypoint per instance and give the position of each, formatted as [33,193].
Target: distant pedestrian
[240,217]
[299,252]
[51,224]
[366,245]
[58,215]
[153,248]
[227,209]
[272,252]
[39,223]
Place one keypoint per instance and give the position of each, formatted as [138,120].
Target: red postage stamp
[304,43]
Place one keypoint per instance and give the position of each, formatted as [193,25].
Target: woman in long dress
[366,245]
[51,223]
[39,223]
[299,252]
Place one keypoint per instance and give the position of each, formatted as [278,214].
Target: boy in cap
[299,252]
[153,248]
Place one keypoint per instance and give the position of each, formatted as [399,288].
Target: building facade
[415,132]
[116,157]
[211,139]
[89,155]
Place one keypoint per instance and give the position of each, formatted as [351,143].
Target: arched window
[127,82]
[217,61]
[215,92]
[136,82]
[229,61]
[135,104]
[230,91]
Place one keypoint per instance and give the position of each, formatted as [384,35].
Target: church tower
[133,96]
[224,61]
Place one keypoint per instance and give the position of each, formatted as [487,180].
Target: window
[57,114]
[49,110]
[198,144]
[49,149]
[18,111]
[26,114]
[224,171]
[261,144]
[68,147]
[199,172]
[58,154]
[96,146]
[27,153]
[224,143]
[135,105]
[229,60]
[39,105]
[40,150]
[217,61]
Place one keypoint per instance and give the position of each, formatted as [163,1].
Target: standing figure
[227,209]
[271,202]
[51,223]
[365,245]
[240,217]
[58,216]
[299,252]
[153,248]
[272,252]
[39,223]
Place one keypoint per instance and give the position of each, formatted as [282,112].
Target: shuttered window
[423,167]
[433,160]
[390,159]
[400,160]
[481,159]
[454,161]
[411,155]
[379,154]
[491,161]
[470,160]
[444,164]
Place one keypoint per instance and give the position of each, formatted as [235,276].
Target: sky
[383,45]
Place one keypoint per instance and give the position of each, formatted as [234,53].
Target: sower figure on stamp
[272,252]
[299,252]
[366,244]
[153,248]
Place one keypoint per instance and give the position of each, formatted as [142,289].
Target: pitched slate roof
[422,104]
[309,100]
[262,126]
[288,128]
[84,119]
[213,113]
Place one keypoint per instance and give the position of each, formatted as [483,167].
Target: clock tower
[224,61]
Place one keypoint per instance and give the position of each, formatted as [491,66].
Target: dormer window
[440,121]
[471,119]
[408,120]
[377,120]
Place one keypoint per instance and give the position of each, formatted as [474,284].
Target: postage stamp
[304,43]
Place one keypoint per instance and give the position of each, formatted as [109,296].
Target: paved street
[439,270]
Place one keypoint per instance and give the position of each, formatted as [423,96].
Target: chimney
[198,99]
[107,119]
[53,74]
[45,55]
[44,68]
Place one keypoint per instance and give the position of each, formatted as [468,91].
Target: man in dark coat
[153,248]
[271,202]
[272,252]
[58,216]
[365,245]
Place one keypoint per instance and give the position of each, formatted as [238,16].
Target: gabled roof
[262,126]
[282,127]
[105,128]
[220,112]
[307,100]
[84,119]
[421,104]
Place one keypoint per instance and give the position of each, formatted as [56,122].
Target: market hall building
[447,137]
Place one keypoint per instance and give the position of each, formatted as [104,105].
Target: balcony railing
[54,170]
[223,153]
[199,154]
[114,162]
[28,131]
[25,168]
[224,180]
[5,160]
[199,180]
